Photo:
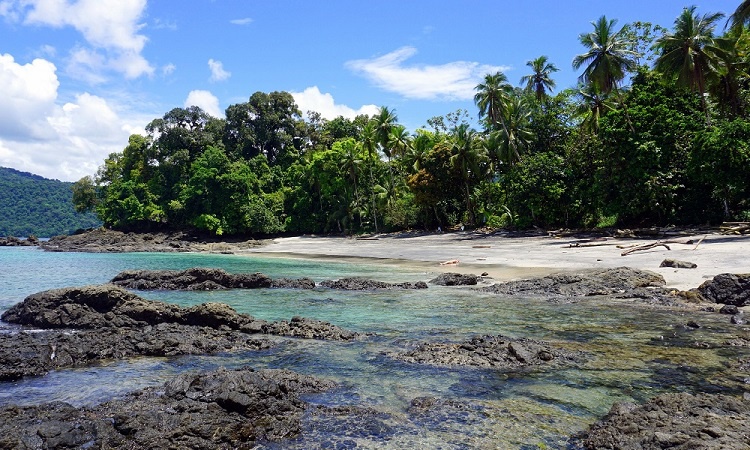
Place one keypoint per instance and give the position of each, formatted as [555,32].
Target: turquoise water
[632,353]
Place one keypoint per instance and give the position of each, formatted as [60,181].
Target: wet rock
[488,351]
[220,409]
[621,281]
[727,288]
[692,324]
[287,283]
[102,240]
[738,319]
[678,264]
[195,279]
[455,279]
[309,329]
[674,421]
[12,241]
[364,284]
[729,309]
[34,353]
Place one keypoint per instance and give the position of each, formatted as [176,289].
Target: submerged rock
[220,409]
[363,284]
[673,421]
[727,288]
[488,351]
[619,280]
[455,279]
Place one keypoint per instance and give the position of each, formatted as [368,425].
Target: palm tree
[518,135]
[592,104]
[540,80]
[399,140]
[467,157]
[731,69]
[608,59]
[685,52]
[741,15]
[369,143]
[491,97]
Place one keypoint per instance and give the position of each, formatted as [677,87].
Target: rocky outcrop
[685,421]
[12,241]
[203,279]
[727,288]
[34,353]
[455,279]
[105,306]
[678,264]
[303,327]
[102,240]
[363,284]
[585,283]
[221,409]
[497,352]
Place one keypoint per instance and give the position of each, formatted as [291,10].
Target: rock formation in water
[497,352]
[455,279]
[363,284]
[727,288]
[220,409]
[705,421]
[202,279]
[83,324]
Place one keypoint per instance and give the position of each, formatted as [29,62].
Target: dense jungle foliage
[657,132]
[32,205]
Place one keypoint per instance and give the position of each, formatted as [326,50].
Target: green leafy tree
[491,97]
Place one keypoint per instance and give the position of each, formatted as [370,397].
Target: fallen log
[645,247]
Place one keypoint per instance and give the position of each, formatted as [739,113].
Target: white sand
[508,258]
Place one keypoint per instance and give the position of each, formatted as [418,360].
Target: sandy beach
[508,258]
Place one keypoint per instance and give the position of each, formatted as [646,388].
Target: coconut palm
[592,104]
[518,135]
[369,143]
[685,52]
[741,15]
[467,158]
[491,96]
[608,59]
[540,81]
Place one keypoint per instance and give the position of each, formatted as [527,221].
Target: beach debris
[450,262]
[595,242]
[643,247]
[735,228]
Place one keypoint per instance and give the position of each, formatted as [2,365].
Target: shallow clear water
[633,353]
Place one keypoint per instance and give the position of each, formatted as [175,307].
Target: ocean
[633,352]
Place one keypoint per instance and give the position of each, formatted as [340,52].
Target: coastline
[507,258]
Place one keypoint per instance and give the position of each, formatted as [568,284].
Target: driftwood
[699,242]
[735,227]
[645,247]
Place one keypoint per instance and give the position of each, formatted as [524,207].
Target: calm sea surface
[633,353]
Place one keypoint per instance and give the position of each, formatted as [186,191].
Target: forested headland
[656,132]
[33,205]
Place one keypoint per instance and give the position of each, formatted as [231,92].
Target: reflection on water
[632,353]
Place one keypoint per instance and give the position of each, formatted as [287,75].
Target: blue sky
[78,77]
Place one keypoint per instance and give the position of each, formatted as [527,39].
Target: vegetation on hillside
[657,132]
[32,205]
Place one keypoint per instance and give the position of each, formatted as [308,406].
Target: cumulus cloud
[311,99]
[243,21]
[111,27]
[217,71]
[204,100]
[168,69]
[450,81]
[40,135]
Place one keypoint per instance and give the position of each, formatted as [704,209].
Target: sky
[77,77]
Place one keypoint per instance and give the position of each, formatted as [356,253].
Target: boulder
[455,279]
[678,264]
[727,288]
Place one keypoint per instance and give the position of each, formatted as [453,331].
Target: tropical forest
[655,133]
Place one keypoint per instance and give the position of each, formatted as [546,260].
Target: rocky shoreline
[240,408]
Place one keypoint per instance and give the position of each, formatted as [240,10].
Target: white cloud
[168,69]
[243,21]
[311,99]
[109,26]
[204,100]
[63,141]
[450,81]
[217,71]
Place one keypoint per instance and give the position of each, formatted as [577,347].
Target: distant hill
[31,204]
